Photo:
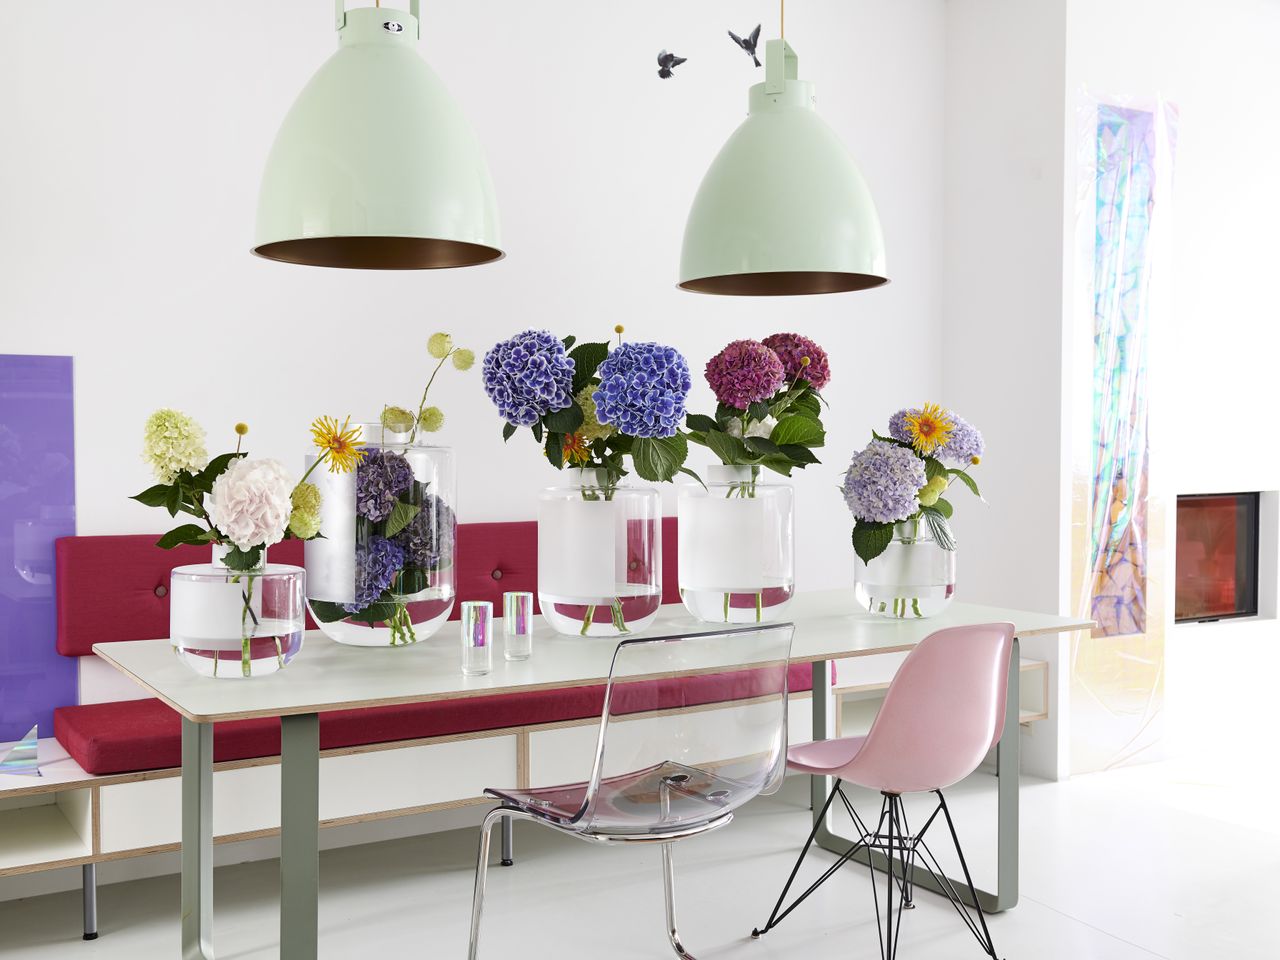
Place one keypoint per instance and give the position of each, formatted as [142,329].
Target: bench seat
[132,736]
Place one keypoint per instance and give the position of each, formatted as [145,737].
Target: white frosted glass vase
[914,578]
[737,550]
[599,555]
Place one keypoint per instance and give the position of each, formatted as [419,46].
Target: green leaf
[688,472]
[187,533]
[933,467]
[699,422]
[399,517]
[801,455]
[899,443]
[728,449]
[944,507]
[203,481]
[939,527]
[537,431]
[967,480]
[800,430]
[156,496]
[586,358]
[567,420]
[778,463]
[725,413]
[870,539]
[808,404]
[173,502]
[242,560]
[379,612]
[569,342]
[325,611]
[762,446]
[555,450]
[508,431]
[659,458]
[758,410]
[409,581]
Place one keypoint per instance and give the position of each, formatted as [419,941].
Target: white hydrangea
[250,503]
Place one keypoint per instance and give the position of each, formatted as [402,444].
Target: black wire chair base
[902,851]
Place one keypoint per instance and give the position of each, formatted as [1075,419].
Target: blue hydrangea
[381,478]
[642,389]
[528,376]
[964,444]
[377,563]
[882,483]
[428,538]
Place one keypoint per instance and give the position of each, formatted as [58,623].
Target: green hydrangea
[439,345]
[432,419]
[397,419]
[592,429]
[306,498]
[463,359]
[173,442]
[304,524]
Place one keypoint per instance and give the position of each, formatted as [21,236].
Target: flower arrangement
[592,406]
[245,505]
[769,404]
[405,531]
[903,476]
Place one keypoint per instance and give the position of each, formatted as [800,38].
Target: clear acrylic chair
[692,728]
[942,714]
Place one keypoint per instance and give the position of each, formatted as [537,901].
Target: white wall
[134,136]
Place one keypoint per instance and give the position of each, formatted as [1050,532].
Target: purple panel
[37,505]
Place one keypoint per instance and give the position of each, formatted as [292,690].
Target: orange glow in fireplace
[1217,572]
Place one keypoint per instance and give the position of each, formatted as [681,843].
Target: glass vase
[381,573]
[914,578]
[599,555]
[234,624]
[737,546]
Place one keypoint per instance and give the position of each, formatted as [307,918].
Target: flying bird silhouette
[667,62]
[749,44]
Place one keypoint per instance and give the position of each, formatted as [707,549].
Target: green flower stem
[246,634]
[619,620]
[319,460]
[586,620]
[401,626]
[422,404]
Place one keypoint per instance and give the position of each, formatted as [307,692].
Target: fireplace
[1217,544]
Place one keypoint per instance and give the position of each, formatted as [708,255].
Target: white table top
[330,676]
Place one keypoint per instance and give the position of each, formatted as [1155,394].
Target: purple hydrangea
[898,424]
[427,540]
[382,477]
[791,349]
[882,483]
[964,444]
[377,563]
[642,389]
[528,376]
[745,372]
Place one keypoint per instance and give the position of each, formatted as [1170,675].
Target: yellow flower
[241,429]
[574,449]
[930,428]
[439,345]
[619,329]
[339,444]
[304,525]
[975,460]
[432,419]
[592,429]
[397,419]
[305,498]
[463,358]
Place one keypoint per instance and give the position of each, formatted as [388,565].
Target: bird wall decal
[748,44]
[667,62]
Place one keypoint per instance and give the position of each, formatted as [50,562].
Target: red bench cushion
[135,735]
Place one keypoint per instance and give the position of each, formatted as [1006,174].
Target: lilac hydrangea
[427,539]
[745,372]
[377,563]
[642,389]
[964,444]
[528,376]
[898,424]
[792,349]
[382,477]
[882,483]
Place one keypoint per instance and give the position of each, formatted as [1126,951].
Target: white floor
[1138,863]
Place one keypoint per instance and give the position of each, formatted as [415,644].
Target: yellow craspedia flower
[173,442]
[929,428]
[931,491]
[619,329]
[975,460]
[439,345]
[241,429]
[463,359]
[397,419]
[304,525]
[592,429]
[431,419]
[305,498]
[340,445]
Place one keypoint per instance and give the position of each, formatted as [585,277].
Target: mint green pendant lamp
[375,166]
[783,210]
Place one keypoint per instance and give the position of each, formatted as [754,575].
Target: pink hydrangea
[745,372]
[791,349]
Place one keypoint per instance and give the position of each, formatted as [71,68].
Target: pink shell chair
[942,714]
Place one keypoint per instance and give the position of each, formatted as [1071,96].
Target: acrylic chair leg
[482,874]
[89,893]
[508,843]
[987,944]
[669,887]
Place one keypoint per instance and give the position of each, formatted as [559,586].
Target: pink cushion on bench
[134,735]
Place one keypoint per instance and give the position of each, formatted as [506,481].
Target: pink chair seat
[824,757]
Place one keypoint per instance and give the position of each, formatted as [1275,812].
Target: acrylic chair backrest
[944,710]
[692,728]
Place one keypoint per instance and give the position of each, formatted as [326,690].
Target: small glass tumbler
[477,650]
[517,624]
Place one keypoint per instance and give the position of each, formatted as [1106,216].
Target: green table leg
[299,836]
[197,840]
[1007,765]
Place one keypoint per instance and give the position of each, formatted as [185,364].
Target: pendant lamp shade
[375,167]
[783,210]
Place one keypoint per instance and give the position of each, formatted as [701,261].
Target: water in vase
[632,608]
[275,642]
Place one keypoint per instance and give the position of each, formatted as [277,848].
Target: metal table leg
[89,895]
[197,840]
[1007,765]
[299,836]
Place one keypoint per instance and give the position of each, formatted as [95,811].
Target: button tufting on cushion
[497,574]
[162,590]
